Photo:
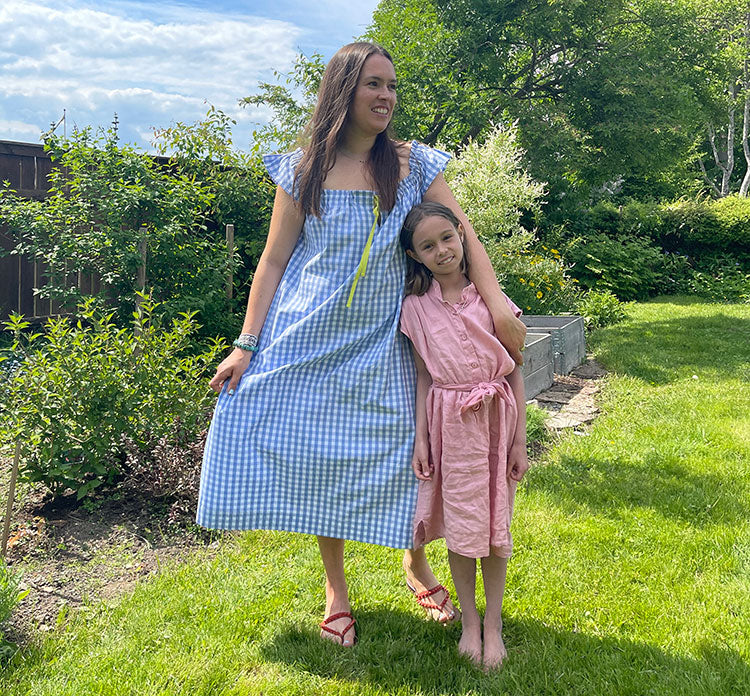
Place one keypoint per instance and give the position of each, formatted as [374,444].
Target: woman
[317,437]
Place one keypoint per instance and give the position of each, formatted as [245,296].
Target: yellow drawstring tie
[366,253]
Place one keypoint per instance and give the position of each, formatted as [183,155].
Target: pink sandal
[427,604]
[339,634]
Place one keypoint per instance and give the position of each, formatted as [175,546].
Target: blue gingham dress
[318,436]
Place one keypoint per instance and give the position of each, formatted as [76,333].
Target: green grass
[631,573]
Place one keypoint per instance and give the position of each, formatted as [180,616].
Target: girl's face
[438,245]
[371,109]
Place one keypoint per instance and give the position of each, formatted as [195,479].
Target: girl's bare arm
[518,460]
[421,457]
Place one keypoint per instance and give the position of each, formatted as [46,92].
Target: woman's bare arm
[283,233]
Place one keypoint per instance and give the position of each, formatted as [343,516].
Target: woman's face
[374,98]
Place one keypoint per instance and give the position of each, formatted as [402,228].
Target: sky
[155,63]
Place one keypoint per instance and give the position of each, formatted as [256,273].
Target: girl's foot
[470,644]
[420,578]
[494,648]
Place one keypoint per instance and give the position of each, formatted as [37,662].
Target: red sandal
[339,634]
[427,604]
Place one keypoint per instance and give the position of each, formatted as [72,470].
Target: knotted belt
[481,393]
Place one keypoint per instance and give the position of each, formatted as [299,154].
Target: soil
[71,554]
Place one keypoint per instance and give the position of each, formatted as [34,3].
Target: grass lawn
[631,573]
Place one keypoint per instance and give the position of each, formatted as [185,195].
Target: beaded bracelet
[247,341]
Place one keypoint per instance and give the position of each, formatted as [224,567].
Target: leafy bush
[674,274]
[83,386]
[168,468]
[723,280]
[693,228]
[538,283]
[600,308]
[491,185]
[628,267]
[106,198]
[705,226]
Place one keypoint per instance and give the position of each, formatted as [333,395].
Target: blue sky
[155,62]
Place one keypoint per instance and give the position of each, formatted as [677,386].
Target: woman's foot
[420,578]
[340,629]
[494,647]
[470,644]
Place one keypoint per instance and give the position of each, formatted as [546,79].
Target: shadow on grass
[662,351]
[605,486]
[397,651]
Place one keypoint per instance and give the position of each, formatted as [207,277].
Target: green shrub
[600,308]
[105,198]
[537,282]
[703,227]
[628,267]
[491,185]
[723,280]
[81,387]
[674,274]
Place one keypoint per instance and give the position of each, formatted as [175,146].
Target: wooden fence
[26,166]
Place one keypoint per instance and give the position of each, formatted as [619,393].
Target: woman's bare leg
[494,569]
[337,593]
[464,572]
[420,576]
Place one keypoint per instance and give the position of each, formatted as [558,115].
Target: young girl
[470,445]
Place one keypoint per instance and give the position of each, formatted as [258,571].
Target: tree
[725,26]
[599,89]
[291,103]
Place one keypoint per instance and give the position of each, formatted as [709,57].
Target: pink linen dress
[471,419]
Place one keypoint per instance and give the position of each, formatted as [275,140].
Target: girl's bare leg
[493,572]
[464,572]
[420,576]
[337,593]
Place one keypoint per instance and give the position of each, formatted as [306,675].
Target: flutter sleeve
[281,168]
[407,319]
[430,162]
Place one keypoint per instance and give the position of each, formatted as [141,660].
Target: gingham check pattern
[318,436]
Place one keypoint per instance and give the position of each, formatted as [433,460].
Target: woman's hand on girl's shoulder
[231,368]
[518,461]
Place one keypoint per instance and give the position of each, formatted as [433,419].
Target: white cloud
[18,130]
[152,66]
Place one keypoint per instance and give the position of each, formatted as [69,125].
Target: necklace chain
[352,157]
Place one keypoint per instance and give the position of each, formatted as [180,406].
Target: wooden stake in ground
[11,496]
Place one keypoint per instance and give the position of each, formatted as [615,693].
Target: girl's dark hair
[418,277]
[325,131]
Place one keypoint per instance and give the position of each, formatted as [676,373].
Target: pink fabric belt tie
[481,393]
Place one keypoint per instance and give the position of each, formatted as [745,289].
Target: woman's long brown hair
[325,132]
